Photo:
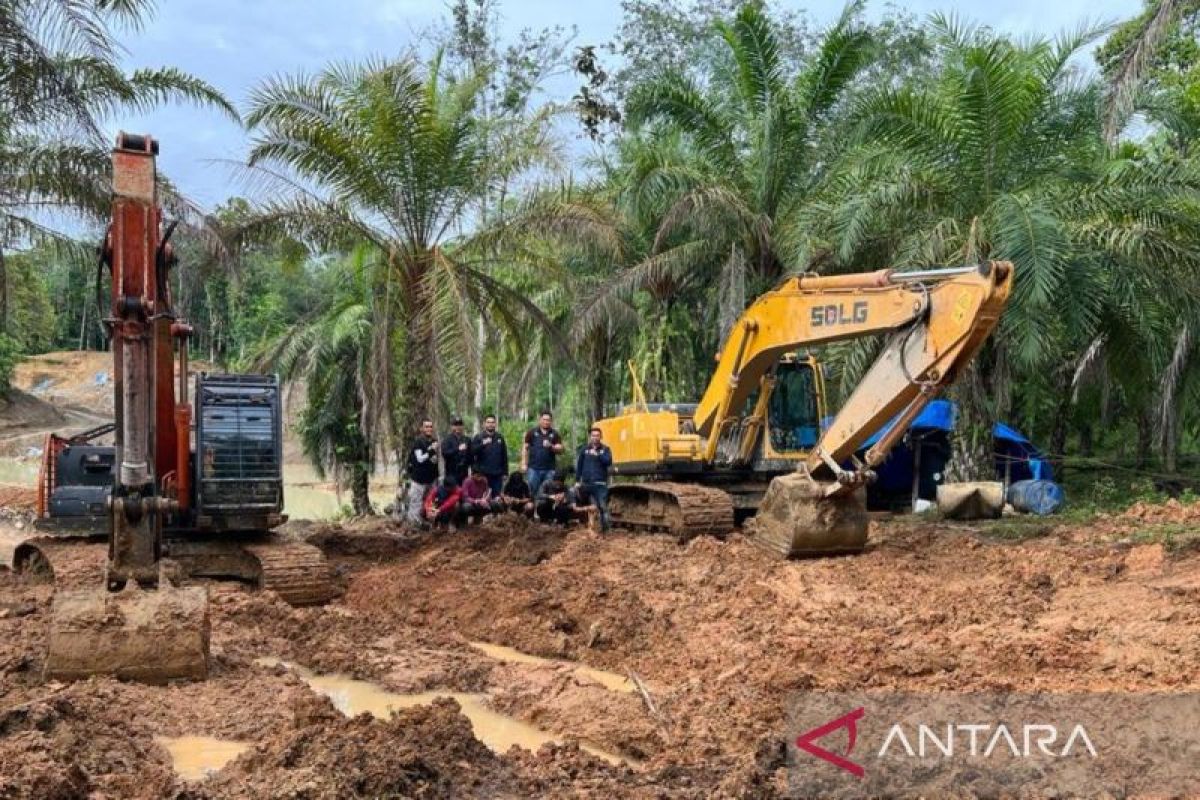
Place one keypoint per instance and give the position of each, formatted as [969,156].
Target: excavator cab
[796,407]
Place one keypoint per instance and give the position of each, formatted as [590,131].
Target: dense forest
[438,232]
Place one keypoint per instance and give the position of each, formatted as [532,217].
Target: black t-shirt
[516,487]
[550,488]
[423,461]
[541,447]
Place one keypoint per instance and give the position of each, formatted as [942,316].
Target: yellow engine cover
[644,441]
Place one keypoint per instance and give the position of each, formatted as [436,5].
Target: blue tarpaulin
[1014,453]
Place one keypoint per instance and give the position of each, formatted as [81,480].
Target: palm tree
[757,144]
[333,355]
[1002,157]
[389,153]
[60,80]
[693,207]
[1142,38]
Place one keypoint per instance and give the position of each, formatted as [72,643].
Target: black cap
[456,421]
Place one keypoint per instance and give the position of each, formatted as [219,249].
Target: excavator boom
[936,321]
[137,625]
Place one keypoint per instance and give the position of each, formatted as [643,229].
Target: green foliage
[417,253]
[332,356]
[10,356]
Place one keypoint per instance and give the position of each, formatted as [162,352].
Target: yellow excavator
[759,442]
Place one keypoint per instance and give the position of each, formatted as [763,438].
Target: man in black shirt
[516,495]
[554,502]
[422,469]
[542,444]
[456,450]
[489,452]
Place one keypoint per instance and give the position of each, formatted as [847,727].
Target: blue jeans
[598,492]
[496,484]
[535,478]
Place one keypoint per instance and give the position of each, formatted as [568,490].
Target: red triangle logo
[806,741]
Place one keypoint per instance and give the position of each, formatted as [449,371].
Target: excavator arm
[936,321]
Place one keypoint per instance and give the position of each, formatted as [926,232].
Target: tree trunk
[480,375]
[1062,418]
[597,377]
[3,293]
[1145,436]
[360,485]
[971,456]
[1087,444]
[418,381]
[732,300]
[1170,442]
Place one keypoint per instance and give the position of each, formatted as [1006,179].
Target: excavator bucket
[152,636]
[797,519]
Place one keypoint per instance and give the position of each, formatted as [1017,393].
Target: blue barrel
[1036,497]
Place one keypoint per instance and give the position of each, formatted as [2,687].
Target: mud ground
[721,635]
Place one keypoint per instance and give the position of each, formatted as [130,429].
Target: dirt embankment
[720,635]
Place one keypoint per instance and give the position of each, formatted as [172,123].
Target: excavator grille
[238,436]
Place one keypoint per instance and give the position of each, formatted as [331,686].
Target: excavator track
[296,571]
[684,510]
[67,562]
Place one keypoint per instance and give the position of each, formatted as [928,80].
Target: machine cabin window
[792,420]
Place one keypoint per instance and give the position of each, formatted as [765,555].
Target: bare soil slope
[721,636]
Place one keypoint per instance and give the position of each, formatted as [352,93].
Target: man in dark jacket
[456,450]
[422,469]
[539,452]
[489,452]
[592,464]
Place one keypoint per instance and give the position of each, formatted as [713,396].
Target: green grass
[1175,537]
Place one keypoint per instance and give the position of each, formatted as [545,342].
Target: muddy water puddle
[497,731]
[609,680]
[197,757]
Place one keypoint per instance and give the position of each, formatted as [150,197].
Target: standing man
[422,469]
[456,449]
[538,454]
[591,473]
[490,454]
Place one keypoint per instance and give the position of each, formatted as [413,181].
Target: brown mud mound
[1170,511]
[425,751]
[723,637]
[17,499]
[21,412]
[68,746]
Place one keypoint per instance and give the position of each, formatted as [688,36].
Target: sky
[236,44]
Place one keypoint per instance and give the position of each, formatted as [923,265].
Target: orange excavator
[171,499]
[759,441]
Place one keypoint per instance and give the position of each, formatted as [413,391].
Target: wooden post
[917,441]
